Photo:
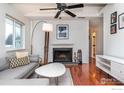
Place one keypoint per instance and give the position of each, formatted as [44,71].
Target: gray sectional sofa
[19,73]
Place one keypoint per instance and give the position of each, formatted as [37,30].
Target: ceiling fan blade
[70,13]
[57,14]
[48,9]
[75,6]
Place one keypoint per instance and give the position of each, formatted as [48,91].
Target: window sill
[12,50]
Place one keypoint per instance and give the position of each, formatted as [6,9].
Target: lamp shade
[47,27]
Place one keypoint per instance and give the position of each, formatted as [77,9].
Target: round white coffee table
[52,70]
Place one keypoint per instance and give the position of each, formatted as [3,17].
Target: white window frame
[16,21]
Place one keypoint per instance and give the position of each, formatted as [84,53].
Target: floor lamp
[46,27]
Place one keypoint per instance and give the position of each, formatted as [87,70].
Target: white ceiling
[31,10]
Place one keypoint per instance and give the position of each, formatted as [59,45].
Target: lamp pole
[47,28]
[46,47]
[32,35]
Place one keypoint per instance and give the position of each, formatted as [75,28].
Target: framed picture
[114,17]
[113,29]
[121,21]
[62,31]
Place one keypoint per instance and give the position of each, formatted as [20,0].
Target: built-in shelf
[105,68]
[104,63]
[111,65]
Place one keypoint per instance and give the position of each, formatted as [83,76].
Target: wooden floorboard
[89,74]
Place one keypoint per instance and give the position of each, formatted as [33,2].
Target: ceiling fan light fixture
[63,7]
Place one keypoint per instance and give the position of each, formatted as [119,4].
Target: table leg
[56,80]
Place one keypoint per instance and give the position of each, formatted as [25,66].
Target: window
[14,33]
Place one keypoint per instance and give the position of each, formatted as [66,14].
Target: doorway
[93,46]
[95,37]
[92,43]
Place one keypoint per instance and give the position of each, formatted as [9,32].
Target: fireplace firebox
[62,54]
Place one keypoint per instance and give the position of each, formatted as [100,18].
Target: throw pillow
[16,62]
[21,54]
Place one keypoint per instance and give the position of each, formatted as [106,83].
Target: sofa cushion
[18,72]
[21,54]
[3,64]
[15,62]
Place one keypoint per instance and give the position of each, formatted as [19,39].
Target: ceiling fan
[63,7]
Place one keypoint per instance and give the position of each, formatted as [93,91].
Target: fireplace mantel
[62,44]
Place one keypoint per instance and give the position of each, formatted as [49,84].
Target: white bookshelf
[111,65]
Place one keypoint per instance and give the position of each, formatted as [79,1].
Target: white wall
[7,8]
[78,37]
[113,43]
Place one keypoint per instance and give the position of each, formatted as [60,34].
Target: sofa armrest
[35,58]
[40,60]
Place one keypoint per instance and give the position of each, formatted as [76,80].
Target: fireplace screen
[62,54]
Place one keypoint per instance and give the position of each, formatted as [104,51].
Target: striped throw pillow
[16,62]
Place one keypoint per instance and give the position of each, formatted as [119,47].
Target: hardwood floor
[89,74]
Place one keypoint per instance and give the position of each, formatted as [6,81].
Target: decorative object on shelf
[79,56]
[121,21]
[75,58]
[113,29]
[46,27]
[114,17]
[62,31]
